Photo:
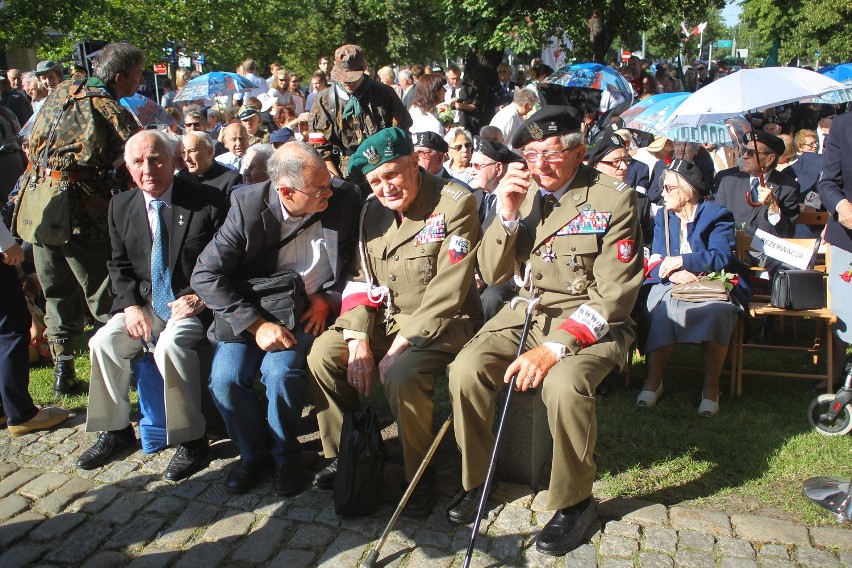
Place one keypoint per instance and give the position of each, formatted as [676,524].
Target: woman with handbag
[692,238]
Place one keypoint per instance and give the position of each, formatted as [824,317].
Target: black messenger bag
[799,289]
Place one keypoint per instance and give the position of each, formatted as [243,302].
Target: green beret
[383,146]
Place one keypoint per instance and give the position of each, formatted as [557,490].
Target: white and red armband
[586,324]
[358,294]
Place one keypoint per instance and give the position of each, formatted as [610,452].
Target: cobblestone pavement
[124,514]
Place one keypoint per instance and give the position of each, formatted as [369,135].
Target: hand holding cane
[531,303]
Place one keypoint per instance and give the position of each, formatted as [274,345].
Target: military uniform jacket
[583,264]
[90,136]
[381,108]
[427,262]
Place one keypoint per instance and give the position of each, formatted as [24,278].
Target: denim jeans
[256,433]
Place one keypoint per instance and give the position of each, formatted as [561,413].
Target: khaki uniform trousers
[409,387]
[568,392]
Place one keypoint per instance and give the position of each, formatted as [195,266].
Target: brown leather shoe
[46,418]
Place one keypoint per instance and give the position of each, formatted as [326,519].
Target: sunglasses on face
[458,147]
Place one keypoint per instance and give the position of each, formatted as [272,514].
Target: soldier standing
[352,109]
[570,235]
[76,155]
[412,304]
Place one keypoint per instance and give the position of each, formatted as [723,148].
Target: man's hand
[512,190]
[362,368]
[531,368]
[186,307]
[271,336]
[844,213]
[316,316]
[137,323]
[765,195]
[683,277]
[399,345]
[14,255]
[670,264]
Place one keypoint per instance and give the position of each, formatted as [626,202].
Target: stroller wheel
[817,417]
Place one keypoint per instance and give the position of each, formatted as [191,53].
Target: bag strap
[812,263]
[301,229]
[666,222]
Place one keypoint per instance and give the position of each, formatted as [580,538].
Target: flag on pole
[699,28]
[684,30]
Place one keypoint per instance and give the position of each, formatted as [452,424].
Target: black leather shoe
[189,458]
[325,477]
[288,479]
[567,529]
[464,504]
[65,378]
[244,476]
[422,499]
[107,444]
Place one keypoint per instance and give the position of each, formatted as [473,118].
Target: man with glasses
[195,120]
[772,206]
[570,237]
[318,223]
[409,307]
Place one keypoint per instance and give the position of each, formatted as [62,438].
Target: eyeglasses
[316,195]
[426,152]
[670,188]
[617,163]
[549,156]
[478,167]
[810,144]
[193,125]
[458,147]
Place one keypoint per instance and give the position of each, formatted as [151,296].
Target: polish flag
[699,28]
[355,294]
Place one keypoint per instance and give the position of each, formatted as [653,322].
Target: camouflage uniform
[381,108]
[86,148]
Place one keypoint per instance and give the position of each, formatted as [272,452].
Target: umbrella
[592,76]
[754,90]
[839,72]
[652,114]
[147,112]
[215,84]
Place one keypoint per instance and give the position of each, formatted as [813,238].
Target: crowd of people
[401,211]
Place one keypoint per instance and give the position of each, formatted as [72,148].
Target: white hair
[170,142]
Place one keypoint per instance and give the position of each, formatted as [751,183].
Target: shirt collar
[166,197]
[562,190]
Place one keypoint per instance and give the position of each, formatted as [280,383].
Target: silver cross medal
[180,220]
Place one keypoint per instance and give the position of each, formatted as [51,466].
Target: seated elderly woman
[461,151]
[691,237]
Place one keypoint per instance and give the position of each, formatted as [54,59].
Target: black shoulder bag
[280,298]
[360,464]
[799,289]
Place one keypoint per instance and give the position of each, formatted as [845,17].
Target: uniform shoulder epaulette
[453,191]
[620,185]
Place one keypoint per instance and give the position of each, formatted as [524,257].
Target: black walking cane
[489,476]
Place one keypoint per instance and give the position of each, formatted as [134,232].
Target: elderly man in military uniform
[411,305]
[76,154]
[569,236]
[352,109]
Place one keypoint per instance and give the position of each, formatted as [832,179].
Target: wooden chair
[760,307]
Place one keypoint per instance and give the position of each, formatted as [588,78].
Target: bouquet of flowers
[446,115]
[728,278]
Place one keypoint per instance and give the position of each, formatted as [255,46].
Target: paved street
[52,514]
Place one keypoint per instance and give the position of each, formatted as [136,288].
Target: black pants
[15,400]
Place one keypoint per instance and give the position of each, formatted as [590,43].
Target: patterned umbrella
[592,76]
[652,115]
[839,72]
[214,84]
[146,112]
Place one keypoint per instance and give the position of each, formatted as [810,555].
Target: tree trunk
[480,70]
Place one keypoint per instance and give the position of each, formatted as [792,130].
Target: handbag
[360,464]
[700,290]
[280,298]
[799,289]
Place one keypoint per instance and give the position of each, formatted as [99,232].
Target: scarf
[353,105]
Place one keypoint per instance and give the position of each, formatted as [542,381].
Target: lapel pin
[180,220]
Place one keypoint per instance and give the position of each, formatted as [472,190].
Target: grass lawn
[751,458]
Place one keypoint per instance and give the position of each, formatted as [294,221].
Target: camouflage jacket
[89,135]
[381,108]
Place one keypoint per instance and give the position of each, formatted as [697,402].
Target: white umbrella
[753,90]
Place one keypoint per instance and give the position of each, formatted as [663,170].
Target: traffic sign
[160,69]
[817,53]
[625,55]
[725,43]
